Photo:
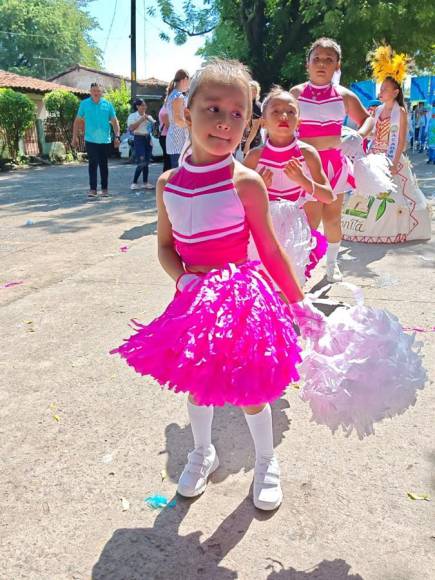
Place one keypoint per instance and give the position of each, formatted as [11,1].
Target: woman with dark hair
[401,214]
[175,105]
[140,124]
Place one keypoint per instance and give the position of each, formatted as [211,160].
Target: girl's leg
[313,211]
[203,460]
[201,419]
[267,487]
[331,218]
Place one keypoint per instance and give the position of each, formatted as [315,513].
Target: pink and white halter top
[322,111]
[275,159]
[207,217]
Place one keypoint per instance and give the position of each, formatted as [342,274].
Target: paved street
[80,430]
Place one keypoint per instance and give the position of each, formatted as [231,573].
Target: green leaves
[272,36]
[17,114]
[120,99]
[63,105]
[44,37]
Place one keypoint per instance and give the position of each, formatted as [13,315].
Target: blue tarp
[423,88]
[365,90]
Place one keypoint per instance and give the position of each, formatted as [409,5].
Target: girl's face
[388,92]
[281,116]
[322,64]
[141,109]
[216,118]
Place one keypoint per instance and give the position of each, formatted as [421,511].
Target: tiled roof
[150,81]
[93,70]
[153,81]
[13,81]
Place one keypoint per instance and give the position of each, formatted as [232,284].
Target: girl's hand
[394,169]
[266,175]
[187,280]
[293,170]
[310,320]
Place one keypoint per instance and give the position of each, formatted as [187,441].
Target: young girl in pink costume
[323,106]
[226,337]
[293,175]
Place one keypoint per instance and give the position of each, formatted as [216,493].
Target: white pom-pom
[363,369]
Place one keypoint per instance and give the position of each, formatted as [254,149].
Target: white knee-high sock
[260,426]
[201,418]
[332,252]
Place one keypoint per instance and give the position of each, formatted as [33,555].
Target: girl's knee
[253,409]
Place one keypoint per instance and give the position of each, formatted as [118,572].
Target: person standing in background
[140,124]
[163,129]
[175,105]
[97,116]
[253,130]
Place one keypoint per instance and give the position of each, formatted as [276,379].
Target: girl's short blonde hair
[218,70]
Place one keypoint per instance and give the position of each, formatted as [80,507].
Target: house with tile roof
[80,76]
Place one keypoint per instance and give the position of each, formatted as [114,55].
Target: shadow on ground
[160,552]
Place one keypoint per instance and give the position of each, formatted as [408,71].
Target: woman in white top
[140,124]
[175,105]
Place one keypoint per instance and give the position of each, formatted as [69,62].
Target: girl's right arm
[253,195]
[168,257]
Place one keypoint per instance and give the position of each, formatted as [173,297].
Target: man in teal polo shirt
[97,115]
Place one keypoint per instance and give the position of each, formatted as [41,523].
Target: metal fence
[53,132]
[31,142]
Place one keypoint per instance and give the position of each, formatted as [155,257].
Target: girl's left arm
[253,195]
[358,113]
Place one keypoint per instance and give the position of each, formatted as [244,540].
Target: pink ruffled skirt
[338,169]
[227,339]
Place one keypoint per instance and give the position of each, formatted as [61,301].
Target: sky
[154,57]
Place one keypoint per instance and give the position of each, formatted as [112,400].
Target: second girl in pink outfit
[293,175]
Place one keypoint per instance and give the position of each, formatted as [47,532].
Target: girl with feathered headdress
[401,213]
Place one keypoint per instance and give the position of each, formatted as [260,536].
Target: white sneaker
[333,273]
[134,186]
[148,186]
[267,487]
[200,465]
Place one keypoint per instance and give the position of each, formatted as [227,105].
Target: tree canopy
[272,36]
[43,37]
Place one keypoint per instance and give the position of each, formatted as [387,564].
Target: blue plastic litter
[157,502]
